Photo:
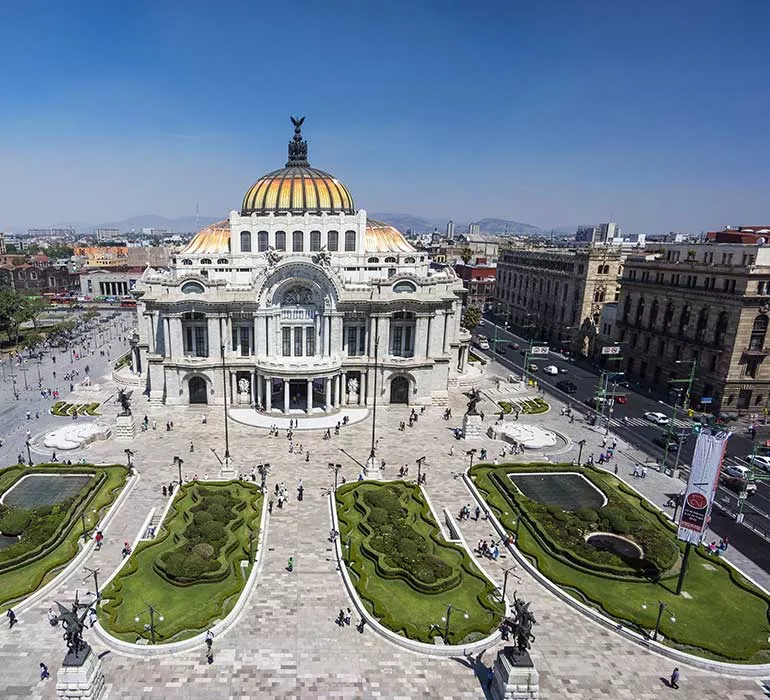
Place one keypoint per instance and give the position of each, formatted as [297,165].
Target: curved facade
[291,310]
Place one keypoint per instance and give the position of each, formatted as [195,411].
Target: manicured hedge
[65,409]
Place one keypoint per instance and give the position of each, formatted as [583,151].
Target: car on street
[656,417]
[759,461]
[483,342]
[499,349]
[599,401]
[532,367]
[621,398]
[739,485]
[670,443]
[553,370]
[514,346]
[566,386]
[737,471]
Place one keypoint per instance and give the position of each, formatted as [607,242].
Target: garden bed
[66,409]
[49,534]
[405,573]
[722,615]
[192,572]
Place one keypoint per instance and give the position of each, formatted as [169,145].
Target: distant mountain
[404,221]
[502,226]
[488,226]
[182,224]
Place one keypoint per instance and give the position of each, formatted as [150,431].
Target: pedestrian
[360,626]
[11,618]
[290,565]
[192,447]
[270,507]
[165,490]
[348,617]
[452,451]
[43,671]
[99,537]
[477,513]
[675,678]
[340,618]
[209,639]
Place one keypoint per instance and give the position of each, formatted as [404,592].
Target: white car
[657,418]
[737,471]
[760,461]
[551,369]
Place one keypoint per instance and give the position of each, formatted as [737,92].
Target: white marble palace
[293,304]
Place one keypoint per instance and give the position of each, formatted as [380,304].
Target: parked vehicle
[657,418]
[566,386]
[532,367]
[553,370]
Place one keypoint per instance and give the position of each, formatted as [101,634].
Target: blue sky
[549,112]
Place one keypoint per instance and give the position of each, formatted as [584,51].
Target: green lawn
[187,606]
[20,578]
[721,616]
[409,588]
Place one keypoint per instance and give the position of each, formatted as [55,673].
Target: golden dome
[297,188]
[384,238]
[212,240]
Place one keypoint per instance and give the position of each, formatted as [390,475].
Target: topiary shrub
[13,521]
[203,550]
[587,515]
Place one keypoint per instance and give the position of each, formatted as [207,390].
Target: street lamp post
[371,463]
[24,370]
[29,454]
[129,454]
[224,395]
[83,523]
[179,462]
[264,470]
[446,616]
[95,574]
[471,454]
[506,572]
[581,445]
[151,626]
[661,607]
[336,469]
[420,460]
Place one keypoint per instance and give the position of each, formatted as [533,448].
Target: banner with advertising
[702,485]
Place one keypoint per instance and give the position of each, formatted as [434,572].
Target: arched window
[668,314]
[390,259]
[333,240]
[700,326]
[373,260]
[626,307]
[758,333]
[350,241]
[653,314]
[315,241]
[298,241]
[186,261]
[684,319]
[245,242]
[404,288]
[409,261]
[222,261]
[721,329]
[280,240]
[639,311]
[262,241]
[206,261]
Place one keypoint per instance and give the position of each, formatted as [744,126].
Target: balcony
[752,351]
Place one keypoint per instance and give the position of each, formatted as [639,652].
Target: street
[628,422]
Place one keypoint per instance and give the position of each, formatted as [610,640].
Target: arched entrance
[399,390]
[197,389]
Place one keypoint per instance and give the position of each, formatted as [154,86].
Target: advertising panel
[539,350]
[702,485]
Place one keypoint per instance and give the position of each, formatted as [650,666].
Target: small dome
[297,188]
[384,238]
[212,240]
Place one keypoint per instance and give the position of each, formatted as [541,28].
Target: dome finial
[297,146]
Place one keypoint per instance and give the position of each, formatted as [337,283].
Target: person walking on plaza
[290,565]
[12,620]
[43,671]
[674,683]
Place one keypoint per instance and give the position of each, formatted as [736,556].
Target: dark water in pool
[617,545]
[44,489]
[6,541]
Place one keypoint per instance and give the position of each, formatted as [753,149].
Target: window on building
[402,332]
[409,261]
[191,288]
[245,242]
[280,240]
[186,261]
[263,241]
[751,367]
[373,261]
[758,333]
[333,240]
[721,328]
[315,241]
[653,314]
[297,241]
[355,340]
[626,307]
[309,341]
[390,259]
[195,334]
[206,261]
[286,341]
[222,261]
[647,342]
[350,241]
[298,341]
[639,311]
[661,347]
[684,319]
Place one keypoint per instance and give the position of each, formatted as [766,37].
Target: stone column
[167,338]
[362,389]
[336,340]
[176,333]
[328,388]
[383,328]
[253,388]
[309,395]
[338,386]
[268,394]
[214,336]
[258,379]
[463,353]
[229,339]
[151,334]
[421,336]
[436,334]
[286,396]
[343,389]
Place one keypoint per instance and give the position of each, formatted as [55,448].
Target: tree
[466,255]
[471,317]
[32,308]
[11,313]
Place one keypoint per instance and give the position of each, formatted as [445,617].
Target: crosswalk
[644,423]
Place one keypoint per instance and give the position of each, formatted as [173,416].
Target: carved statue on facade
[323,258]
[243,386]
[297,296]
[272,256]
[353,386]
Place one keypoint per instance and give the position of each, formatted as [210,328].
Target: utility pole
[689,381]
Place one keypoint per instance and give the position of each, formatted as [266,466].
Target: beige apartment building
[557,295]
[706,302]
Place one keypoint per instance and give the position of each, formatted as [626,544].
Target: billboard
[702,485]
[539,350]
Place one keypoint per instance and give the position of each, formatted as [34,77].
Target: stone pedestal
[515,677]
[472,426]
[244,398]
[81,677]
[125,428]
[372,469]
[227,471]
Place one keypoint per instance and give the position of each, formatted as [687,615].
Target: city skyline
[552,116]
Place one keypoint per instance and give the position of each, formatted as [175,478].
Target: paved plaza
[286,644]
